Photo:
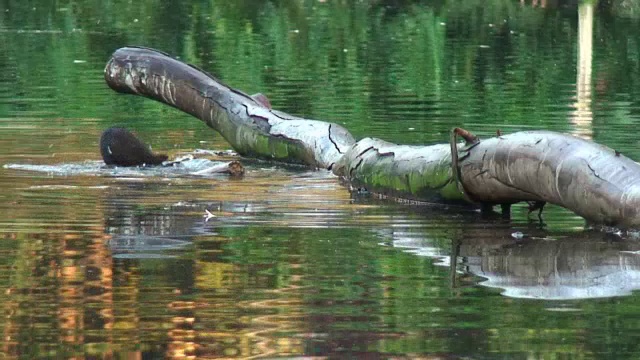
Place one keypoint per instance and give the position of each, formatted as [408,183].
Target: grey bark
[422,173]
[592,180]
[249,125]
[589,179]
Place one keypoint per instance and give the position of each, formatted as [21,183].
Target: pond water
[124,264]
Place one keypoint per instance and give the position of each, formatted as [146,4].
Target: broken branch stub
[249,125]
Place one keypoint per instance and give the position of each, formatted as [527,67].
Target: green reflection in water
[291,266]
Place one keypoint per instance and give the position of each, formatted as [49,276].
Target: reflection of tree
[86,285]
[269,308]
[370,61]
[583,117]
[63,294]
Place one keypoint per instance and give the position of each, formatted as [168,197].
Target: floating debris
[208,215]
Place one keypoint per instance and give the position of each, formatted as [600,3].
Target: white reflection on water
[191,167]
[594,282]
[144,246]
[574,267]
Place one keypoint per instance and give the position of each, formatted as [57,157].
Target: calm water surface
[115,264]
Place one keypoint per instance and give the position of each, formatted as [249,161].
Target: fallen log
[421,173]
[247,123]
[592,180]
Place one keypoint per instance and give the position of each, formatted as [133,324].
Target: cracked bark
[582,176]
[594,181]
[421,173]
[247,123]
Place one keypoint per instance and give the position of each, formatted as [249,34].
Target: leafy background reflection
[293,265]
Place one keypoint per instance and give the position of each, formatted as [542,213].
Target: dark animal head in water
[120,147]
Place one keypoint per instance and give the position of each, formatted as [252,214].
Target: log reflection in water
[572,266]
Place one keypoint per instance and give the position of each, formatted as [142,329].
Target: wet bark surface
[422,173]
[247,123]
[592,180]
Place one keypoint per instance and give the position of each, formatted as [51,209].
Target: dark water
[124,265]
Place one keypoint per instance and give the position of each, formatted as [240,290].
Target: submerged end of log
[233,168]
[236,169]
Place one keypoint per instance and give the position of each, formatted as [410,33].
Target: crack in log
[557,179]
[595,173]
[385,154]
[332,141]
[470,146]
[364,151]
[355,167]
[481,173]
[542,161]
[603,179]
[464,157]
[262,125]
[437,188]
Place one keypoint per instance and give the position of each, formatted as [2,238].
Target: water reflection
[540,265]
[294,266]
[574,268]
[73,276]
[583,116]
[124,265]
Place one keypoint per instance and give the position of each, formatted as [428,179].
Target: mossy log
[421,173]
[592,180]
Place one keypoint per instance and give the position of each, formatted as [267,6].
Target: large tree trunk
[249,125]
[421,173]
[592,180]
[589,179]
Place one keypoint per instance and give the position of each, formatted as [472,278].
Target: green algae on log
[592,180]
[422,173]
